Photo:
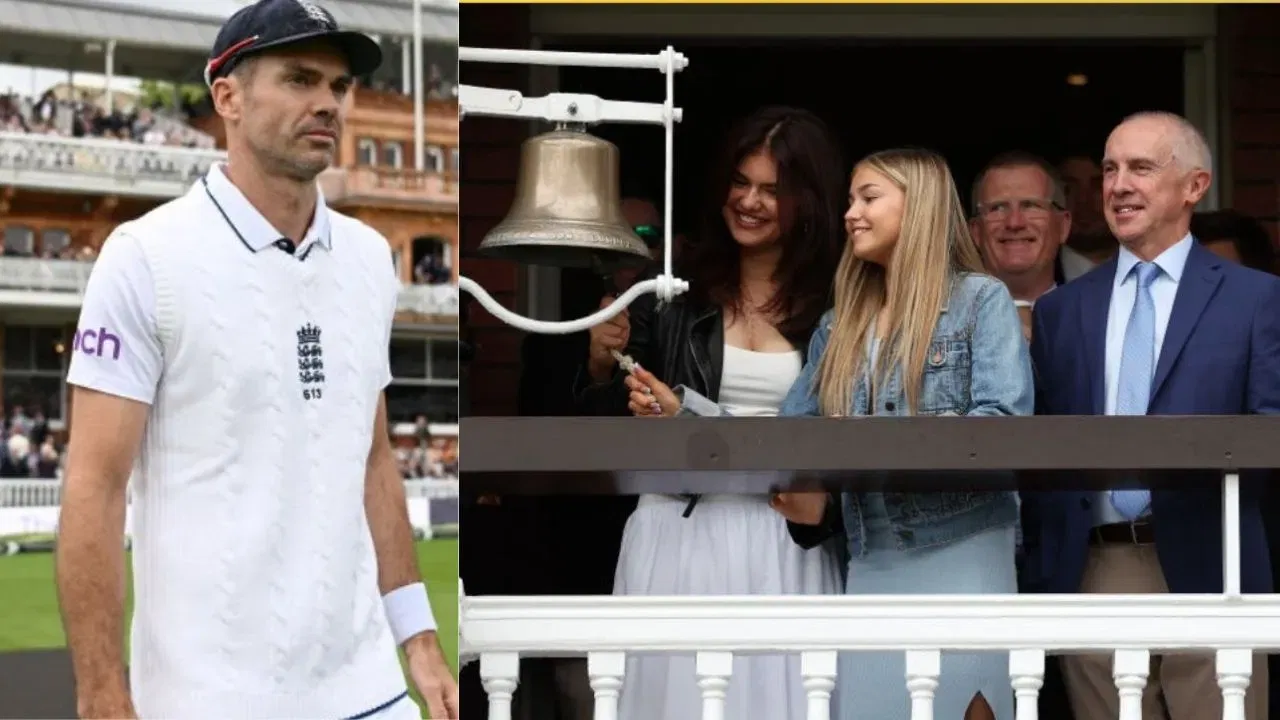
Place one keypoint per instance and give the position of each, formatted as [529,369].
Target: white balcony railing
[65,276]
[429,299]
[40,283]
[52,162]
[500,630]
[30,507]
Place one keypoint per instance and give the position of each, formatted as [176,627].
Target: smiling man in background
[1020,223]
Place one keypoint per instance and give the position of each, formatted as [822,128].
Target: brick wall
[488,166]
[1250,40]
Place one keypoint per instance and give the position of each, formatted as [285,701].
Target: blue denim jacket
[978,364]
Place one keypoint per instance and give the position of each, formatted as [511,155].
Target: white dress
[729,545]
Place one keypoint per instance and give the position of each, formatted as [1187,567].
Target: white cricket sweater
[255,578]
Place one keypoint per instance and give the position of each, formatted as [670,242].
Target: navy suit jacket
[1221,356]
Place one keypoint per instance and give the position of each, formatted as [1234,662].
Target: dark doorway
[430,260]
[967,101]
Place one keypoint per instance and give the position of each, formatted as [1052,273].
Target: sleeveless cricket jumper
[255,578]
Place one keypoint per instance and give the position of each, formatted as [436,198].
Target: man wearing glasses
[1020,223]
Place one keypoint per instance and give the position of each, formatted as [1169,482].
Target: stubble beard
[283,163]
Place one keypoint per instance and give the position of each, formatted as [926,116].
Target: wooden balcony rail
[839,452]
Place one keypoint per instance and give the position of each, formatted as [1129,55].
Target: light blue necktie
[1137,369]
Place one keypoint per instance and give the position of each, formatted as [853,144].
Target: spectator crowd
[431,269]
[19,242]
[1052,291]
[30,450]
[82,118]
[422,455]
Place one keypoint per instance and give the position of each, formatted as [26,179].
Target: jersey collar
[254,230]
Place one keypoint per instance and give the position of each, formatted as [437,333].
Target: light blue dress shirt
[1124,291]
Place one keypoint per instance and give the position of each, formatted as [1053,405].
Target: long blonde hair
[933,247]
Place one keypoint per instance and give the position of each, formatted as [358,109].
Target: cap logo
[316,13]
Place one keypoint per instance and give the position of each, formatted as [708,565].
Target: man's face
[1144,190]
[1018,227]
[637,212]
[290,108]
[1082,178]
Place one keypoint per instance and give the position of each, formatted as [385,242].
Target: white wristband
[408,611]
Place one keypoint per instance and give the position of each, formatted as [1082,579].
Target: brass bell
[566,211]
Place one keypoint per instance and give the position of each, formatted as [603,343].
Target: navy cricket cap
[269,24]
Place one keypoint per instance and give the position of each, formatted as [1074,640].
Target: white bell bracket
[585,110]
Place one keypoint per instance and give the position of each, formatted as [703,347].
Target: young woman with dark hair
[760,272]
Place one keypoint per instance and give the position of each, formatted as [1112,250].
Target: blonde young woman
[916,329]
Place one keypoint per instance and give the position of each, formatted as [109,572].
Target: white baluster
[1130,672]
[499,674]
[714,670]
[923,669]
[1234,670]
[818,668]
[1026,671]
[605,669]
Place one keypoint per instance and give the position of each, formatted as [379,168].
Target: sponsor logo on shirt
[98,343]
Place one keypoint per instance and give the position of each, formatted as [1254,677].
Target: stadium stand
[79,157]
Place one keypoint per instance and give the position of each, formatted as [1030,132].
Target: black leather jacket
[681,343]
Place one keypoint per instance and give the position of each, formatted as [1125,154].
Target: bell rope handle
[665,286]
[502,103]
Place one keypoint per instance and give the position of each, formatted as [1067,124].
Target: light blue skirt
[872,686]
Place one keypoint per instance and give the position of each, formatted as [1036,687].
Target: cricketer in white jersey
[231,356]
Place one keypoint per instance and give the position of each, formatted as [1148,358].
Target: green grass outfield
[29,608]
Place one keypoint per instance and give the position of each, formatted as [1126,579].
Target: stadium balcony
[527,456]
[429,300]
[361,184]
[45,283]
[173,42]
[100,166]
[110,167]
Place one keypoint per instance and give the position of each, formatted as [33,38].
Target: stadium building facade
[78,159]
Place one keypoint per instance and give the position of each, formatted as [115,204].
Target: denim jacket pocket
[916,508]
[945,385]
